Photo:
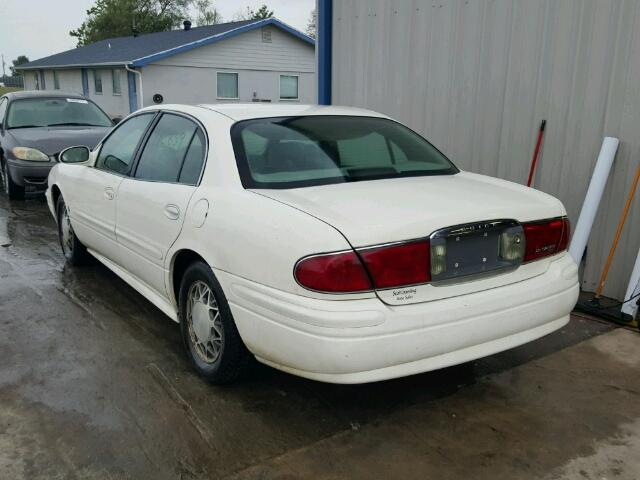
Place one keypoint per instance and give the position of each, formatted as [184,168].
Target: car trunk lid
[384,211]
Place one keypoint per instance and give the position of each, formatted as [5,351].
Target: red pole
[536,153]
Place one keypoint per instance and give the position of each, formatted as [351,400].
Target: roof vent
[187,25]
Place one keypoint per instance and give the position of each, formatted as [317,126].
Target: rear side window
[173,152]
[119,148]
[190,173]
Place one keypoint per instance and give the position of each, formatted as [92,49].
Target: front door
[152,203]
[92,191]
[90,198]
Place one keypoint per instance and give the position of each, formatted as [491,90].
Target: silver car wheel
[67,233]
[204,322]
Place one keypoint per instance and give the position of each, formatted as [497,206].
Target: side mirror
[74,154]
[116,120]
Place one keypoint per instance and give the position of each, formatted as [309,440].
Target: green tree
[118,18]
[312,27]
[262,13]
[206,13]
[250,14]
[18,61]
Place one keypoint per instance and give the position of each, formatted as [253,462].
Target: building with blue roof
[252,60]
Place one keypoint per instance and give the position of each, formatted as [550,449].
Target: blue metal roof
[150,47]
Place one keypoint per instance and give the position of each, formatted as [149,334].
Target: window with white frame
[56,80]
[115,79]
[37,81]
[227,85]
[97,81]
[288,87]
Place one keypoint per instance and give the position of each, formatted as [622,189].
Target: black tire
[233,358]
[73,250]
[13,190]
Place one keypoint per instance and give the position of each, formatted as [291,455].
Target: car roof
[41,94]
[247,111]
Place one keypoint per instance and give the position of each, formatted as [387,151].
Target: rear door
[152,203]
[91,192]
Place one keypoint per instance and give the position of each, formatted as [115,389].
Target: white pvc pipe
[631,307]
[593,197]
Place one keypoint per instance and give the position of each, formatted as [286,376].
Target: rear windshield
[295,152]
[56,111]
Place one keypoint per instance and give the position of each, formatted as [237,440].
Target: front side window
[55,111]
[288,87]
[115,77]
[97,81]
[227,85]
[118,150]
[291,152]
[37,82]
[174,152]
[56,80]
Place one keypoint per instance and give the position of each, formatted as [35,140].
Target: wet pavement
[94,384]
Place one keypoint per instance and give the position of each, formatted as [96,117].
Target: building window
[227,85]
[288,87]
[115,76]
[56,80]
[37,81]
[97,81]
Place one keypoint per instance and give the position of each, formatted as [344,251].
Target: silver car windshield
[55,111]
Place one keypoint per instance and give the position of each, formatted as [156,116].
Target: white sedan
[332,243]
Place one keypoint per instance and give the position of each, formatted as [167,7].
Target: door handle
[172,211]
[109,193]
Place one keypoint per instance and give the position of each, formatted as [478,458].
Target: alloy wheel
[204,322]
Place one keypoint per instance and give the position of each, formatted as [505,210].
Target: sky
[38,28]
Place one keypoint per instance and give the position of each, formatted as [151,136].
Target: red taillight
[333,272]
[546,238]
[409,263]
[398,265]
[388,266]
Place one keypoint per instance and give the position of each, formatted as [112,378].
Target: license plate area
[471,250]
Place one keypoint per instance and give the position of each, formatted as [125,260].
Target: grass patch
[4,90]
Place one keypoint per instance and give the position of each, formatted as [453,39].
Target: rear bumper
[358,341]
[31,175]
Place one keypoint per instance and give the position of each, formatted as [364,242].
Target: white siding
[247,51]
[30,80]
[477,76]
[70,80]
[190,77]
[194,85]
[114,105]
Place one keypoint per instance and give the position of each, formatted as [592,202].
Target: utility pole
[3,72]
